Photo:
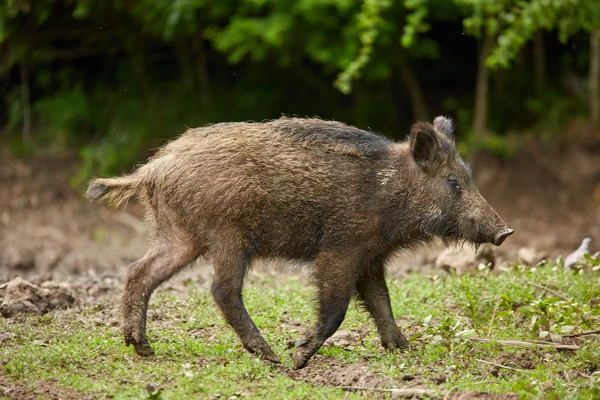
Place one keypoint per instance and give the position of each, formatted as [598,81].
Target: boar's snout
[501,237]
[487,225]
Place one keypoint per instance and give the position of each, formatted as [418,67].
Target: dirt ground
[549,193]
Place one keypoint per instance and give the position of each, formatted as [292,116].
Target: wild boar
[342,199]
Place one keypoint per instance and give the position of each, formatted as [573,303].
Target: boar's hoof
[261,348]
[398,343]
[300,358]
[141,348]
[269,356]
[273,359]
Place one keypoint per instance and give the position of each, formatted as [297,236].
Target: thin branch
[493,317]
[585,333]
[499,365]
[453,388]
[523,343]
[395,392]
[585,375]
[26,101]
[555,293]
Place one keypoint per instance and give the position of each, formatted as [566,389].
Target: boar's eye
[454,185]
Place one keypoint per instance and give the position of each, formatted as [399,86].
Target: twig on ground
[523,343]
[493,317]
[584,333]
[560,296]
[499,365]
[128,360]
[395,392]
[453,388]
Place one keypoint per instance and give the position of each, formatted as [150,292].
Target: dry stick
[585,333]
[499,365]
[560,296]
[523,343]
[493,316]
[453,388]
[408,392]
[128,359]
[585,375]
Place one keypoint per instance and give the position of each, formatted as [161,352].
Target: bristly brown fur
[319,192]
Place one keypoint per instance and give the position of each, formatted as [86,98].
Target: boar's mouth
[470,233]
[501,237]
[452,237]
[495,239]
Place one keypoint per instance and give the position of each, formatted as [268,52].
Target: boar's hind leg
[373,293]
[146,274]
[229,273]
[336,281]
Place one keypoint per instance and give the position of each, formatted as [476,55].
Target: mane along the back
[332,134]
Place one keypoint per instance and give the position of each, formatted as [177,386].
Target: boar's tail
[114,191]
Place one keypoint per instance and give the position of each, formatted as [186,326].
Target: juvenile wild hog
[322,192]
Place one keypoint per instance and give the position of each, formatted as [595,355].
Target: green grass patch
[198,355]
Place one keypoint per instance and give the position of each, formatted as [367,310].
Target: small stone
[555,338]
[531,256]
[18,259]
[153,387]
[5,336]
[464,260]
[22,297]
[342,339]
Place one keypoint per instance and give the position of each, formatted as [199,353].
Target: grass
[197,355]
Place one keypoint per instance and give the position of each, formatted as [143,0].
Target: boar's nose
[502,236]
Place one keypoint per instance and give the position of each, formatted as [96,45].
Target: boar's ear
[444,125]
[423,143]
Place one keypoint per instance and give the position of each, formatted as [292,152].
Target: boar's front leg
[230,269]
[336,282]
[373,293]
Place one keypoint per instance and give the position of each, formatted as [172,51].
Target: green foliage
[515,22]
[110,79]
[368,23]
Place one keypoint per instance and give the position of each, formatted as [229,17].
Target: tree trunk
[202,68]
[415,93]
[594,77]
[25,99]
[185,63]
[482,88]
[359,95]
[539,55]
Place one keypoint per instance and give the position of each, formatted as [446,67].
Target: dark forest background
[113,79]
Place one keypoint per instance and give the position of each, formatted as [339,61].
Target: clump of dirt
[460,261]
[323,371]
[484,396]
[22,297]
[343,339]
